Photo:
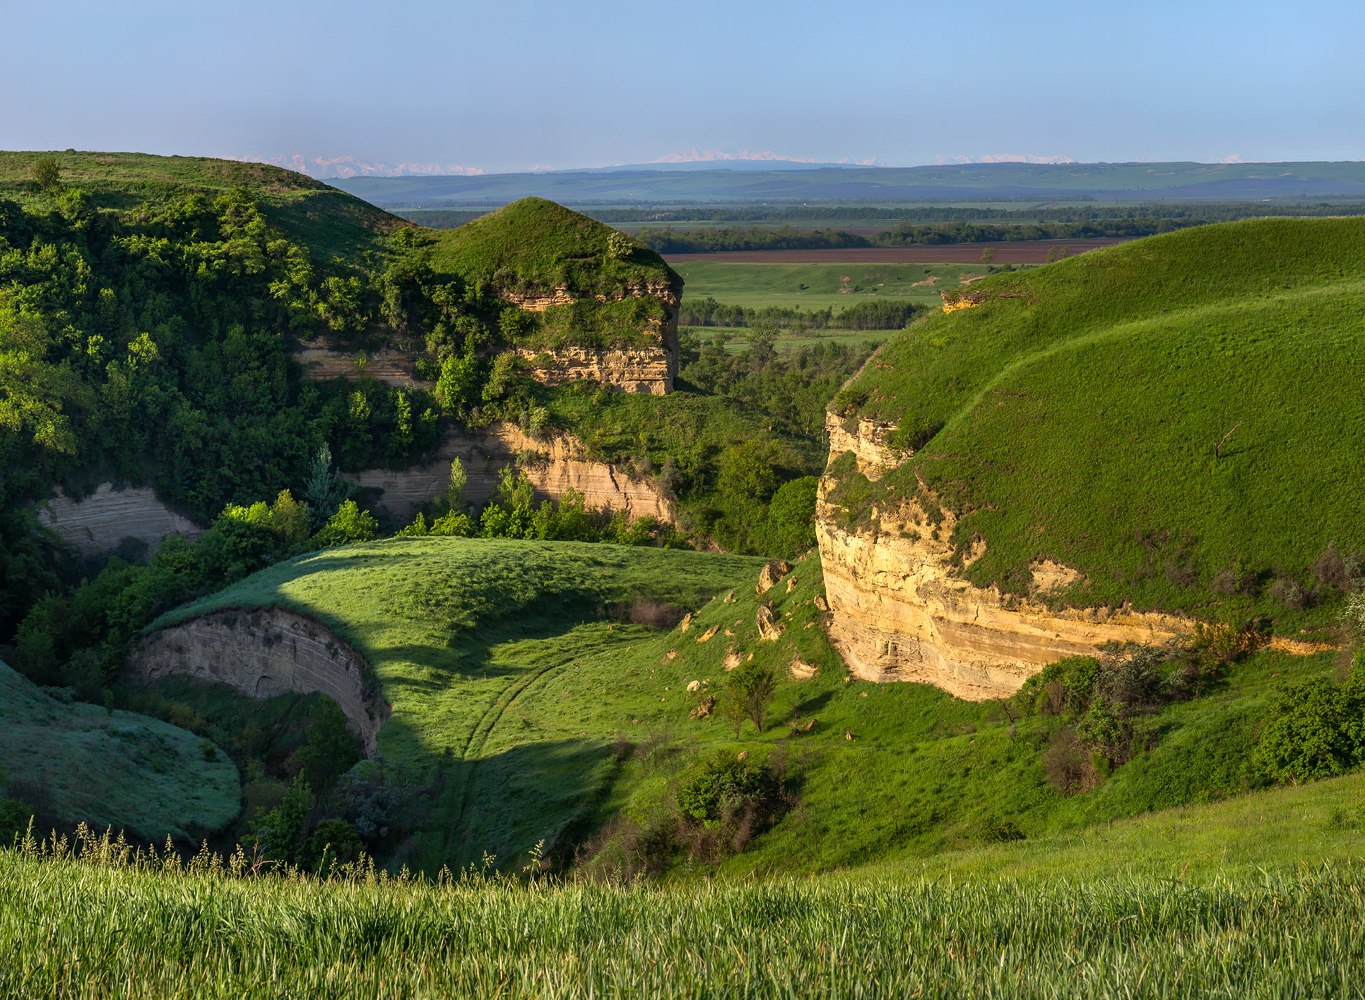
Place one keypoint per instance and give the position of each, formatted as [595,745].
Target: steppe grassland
[1122,911]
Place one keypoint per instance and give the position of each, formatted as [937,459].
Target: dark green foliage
[1314,729]
[15,815]
[281,834]
[724,784]
[859,316]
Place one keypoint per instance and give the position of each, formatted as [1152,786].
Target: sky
[518,85]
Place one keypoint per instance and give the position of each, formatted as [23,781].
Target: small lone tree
[324,489]
[748,690]
[46,173]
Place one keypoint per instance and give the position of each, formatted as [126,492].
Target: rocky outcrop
[867,439]
[264,652]
[899,611]
[99,523]
[649,371]
[554,466]
[321,362]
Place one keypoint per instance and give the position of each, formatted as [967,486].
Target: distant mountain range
[768,181]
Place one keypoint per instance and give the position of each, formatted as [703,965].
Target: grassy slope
[1137,909]
[538,245]
[535,721]
[1133,364]
[331,223]
[120,769]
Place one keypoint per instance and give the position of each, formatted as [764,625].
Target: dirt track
[1006,252]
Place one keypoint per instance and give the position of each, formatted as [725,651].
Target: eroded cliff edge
[264,652]
[899,611]
[553,464]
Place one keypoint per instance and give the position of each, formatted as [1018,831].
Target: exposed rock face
[321,362]
[867,440]
[649,371]
[265,652]
[101,521]
[553,466]
[899,612]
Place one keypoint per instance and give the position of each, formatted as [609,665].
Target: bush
[1313,730]
[729,801]
[748,690]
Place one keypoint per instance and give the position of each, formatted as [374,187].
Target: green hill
[528,707]
[537,245]
[1173,418]
[73,762]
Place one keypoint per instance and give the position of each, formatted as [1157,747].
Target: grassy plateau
[1153,415]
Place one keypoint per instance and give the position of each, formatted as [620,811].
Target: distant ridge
[738,181]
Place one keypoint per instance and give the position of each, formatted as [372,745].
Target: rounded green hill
[1176,419]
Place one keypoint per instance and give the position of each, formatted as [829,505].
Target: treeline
[668,240]
[681,214]
[884,315]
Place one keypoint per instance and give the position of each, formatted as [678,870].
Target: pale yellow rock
[769,626]
[101,521]
[800,670]
[708,634]
[732,659]
[686,623]
[554,465]
[899,611]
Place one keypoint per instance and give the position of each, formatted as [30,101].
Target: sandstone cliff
[100,522]
[899,611]
[554,466]
[321,361]
[263,653]
[647,369]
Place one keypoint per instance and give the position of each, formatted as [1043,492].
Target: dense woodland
[152,346]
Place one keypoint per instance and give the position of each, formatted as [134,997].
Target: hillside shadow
[455,812]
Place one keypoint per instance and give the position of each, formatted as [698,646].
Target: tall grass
[93,921]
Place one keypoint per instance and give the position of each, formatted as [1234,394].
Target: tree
[46,172]
[324,489]
[748,690]
[348,524]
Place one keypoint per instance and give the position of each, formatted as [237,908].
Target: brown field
[1006,252]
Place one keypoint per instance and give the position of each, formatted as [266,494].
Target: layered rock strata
[899,611]
[321,362]
[554,466]
[101,522]
[264,652]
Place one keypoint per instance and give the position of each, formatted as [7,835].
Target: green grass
[1178,402]
[537,245]
[530,717]
[76,762]
[821,286]
[1141,909]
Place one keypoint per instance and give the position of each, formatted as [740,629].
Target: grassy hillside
[528,708]
[1170,417]
[75,762]
[537,245]
[1124,911]
[333,225]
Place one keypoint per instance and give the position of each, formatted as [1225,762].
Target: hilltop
[1163,426]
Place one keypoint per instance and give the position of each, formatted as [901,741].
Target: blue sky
[527,83]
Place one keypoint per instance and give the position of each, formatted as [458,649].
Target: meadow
[820,286]
[1127,911]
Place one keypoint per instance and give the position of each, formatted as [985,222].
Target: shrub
[1313,730]
[1062,688]
[728,801]
[748,690]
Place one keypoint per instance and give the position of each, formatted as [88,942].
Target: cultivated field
[1002,252]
